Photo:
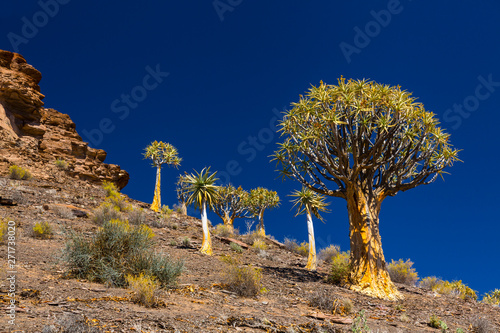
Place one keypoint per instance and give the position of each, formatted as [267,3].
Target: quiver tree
[182,193]
[309,202]
[362,141]
[231,203]
[202,192]
[259,200]
[160,153]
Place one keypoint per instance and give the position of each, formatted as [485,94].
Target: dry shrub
[223,230]
[19,173]
[243,280]
[456,288]
[493,297]
[145,289]
[429,282]
[339,272]
[402,272]
[71,323]
[259,245]
[481,325]
[4,228]
[42,230]
[105,213]
[328,253]
[292,246]
[326,301]
[115,198]
[61,164]
[137,216]
[63,212]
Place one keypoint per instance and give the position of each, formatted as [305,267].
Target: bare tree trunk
[311,260]
[156,205]
[261,231]
[183,208]
[206,246]
[368,273]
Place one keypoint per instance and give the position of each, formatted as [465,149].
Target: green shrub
[145,289]
[243,280]
[110,189]
[16,172]
[118,249]
[42,230]
[236,248]
[493,297]
[435,322]
[402,272]
[61,164]
[186,242]
[105,213]
[460,330]
[328,253]
[339,272]
[359,323]
[165,212]
[115,198]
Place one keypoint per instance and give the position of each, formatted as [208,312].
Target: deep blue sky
[226,77]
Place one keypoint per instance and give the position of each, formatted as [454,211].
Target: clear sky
[207,75]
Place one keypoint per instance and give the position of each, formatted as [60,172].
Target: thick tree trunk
[228,221]
[156,205]
[206,246]
[311,260]
[183,208]
[368,273]
[260,230]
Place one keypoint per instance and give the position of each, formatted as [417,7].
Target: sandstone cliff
[34,137]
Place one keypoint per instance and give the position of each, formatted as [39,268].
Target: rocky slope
[33,136]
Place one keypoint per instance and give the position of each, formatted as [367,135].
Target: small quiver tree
[160,153]
[309,202]
[231,203]
[182,193]
[362,141]
[261,199]
[202,192]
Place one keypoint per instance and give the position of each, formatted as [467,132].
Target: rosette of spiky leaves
[201,188]
[308,201]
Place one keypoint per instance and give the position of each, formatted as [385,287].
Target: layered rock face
[33,137]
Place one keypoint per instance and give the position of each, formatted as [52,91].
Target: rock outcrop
[34,137]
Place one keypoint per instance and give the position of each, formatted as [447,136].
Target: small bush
[145,289]
[115,198]
[236,248]
[105,213]
[42,230]
[481,325]
[402,272]
[118,249]
[259,245]
[252,237]
[223,230]
[61,164]
[326,301]
[63,212]
[4,228]
[165,212]
[460,330]
[137,216]
[435,322]
[16,172]
[493,297]
[243,280]
[339,273]
[429,282]
[456,288]
[328,253]
[110,189]
[359,323]
[186,242]
[292,246]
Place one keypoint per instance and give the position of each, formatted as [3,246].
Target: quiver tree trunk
[228,221]
[206,245]
[368,272]
[156,205]
[311,260]
[260,228]
[183,208]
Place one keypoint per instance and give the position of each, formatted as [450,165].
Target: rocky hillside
[33,137]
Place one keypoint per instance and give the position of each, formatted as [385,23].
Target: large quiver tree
[231,203]
[362,141]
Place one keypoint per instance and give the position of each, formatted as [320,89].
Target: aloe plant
[310,202]
[261,199]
